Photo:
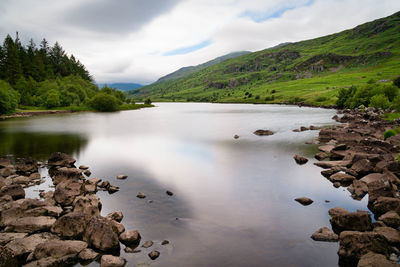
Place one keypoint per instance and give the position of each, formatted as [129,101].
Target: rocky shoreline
[34,113]
[355,155]
[65,226]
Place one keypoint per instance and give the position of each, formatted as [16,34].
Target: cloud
[140,41]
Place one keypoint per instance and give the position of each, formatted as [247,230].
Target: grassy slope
[310,71]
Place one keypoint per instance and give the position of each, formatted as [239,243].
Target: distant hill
[310,71]
[121,86]
[192,69]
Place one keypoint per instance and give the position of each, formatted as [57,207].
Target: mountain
[192,69]
[310,71]
[121,86]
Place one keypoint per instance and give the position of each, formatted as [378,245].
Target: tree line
[46,77]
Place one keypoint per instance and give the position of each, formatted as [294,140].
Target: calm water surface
[233,199]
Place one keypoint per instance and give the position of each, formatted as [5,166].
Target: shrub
[104,102]
[321,99]
[371,81]
[257,97]
[147,101]
[379,101]
[397,81]
[389,133]
[53,99]
[9,98]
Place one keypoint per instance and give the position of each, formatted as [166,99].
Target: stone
[147,244]
[100,234]
[263,132]
[90,188]
[338,211]
[59,248]
[26,166]
[31,224]
[88,254]
[7,258]
[340,147]
[380,188]
[67,191]
[21,247]
[372,177]
[122,176]
[391,235]
[112,189]
[326,148]
[165,242]
[383,205]
[390,218]
[105,184]
[112,261]
[321,156]
[300,160]
[353,245]
[61,159]
[62,174]
[140,195]
[119,228]
[303,128]
[132,250]
[116,216]
[22,208]
[89,204]
[71,225]
[358,189]
[15,191]
[352,221]
[5,172]
[305,201]
[83,167]
[236,136]
[94,181]
[325,234]
[67,260]
[342,177]
[7,237]
[87,173]
[372,259]
[331,164]
[130,237]
[154,254]
[362,167]
[5,163]
[169,193]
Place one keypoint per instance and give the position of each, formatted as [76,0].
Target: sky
[141,40]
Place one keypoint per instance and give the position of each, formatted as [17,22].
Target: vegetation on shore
[310,72]
[46,78]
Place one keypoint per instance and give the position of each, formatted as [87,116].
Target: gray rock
[31,224]
[71,225]
[67,191]
[147,244]
[15,191]
[352,221]
[112,261]
[391,235]
[89,204]
[100,234]
[116,216]
[372,259]
[305,201]
[88,254]
[391,218]
[7,237]
[61,159]
[300,160]
[325,234]
[122,176]
[263,132]
[59,248]
[154,254]
[140,195]
[130,237]
[23,246]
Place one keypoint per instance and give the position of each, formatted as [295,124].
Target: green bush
[147,101]
[53,99]
[379,101]
[389,133]
[321,99]
[104,102]
[8,98]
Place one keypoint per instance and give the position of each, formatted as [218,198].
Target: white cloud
[130,48]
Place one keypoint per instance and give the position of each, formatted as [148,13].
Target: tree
[8,98]
[53,99]
[397,81]
[104,102]
[147,101]
[12,65]
[379,101]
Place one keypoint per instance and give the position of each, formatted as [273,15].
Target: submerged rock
[140,195]
[122,176]
[325,234]
[305,201]
[300,160]
[154,254]
[263,132]
[169,193]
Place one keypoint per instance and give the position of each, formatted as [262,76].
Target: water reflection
[234,199]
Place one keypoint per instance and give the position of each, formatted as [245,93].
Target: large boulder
[58,248]
[332,164]
[26,166]
[358,189]
[391,235]
[372,259]
[23,208]
[7,237]
[352,221]
[22,247]
[362,167]
[15,191]
[384,204]
[71,225]
[61,174]
[391,218]
[67,260]
[342,178]
[67,191]
[380,188]
[300,160]
[353,245]
[263,132]
[116,216]
[61,159]
[101,235]
[130,237]
[89,204]
[31,224]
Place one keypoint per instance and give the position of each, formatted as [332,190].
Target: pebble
[169,193]
[140,195]
[154,254]
[165,242]
[147,244]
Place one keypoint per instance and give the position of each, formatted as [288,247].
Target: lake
[233,202]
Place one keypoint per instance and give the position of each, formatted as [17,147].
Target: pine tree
[12,64]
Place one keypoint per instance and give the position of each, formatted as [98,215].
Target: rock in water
[147,244]
[300,160]
[122,176]
[130,237]
[61,159]
[140,195]
[169,193]
[305,201]
[325,234]
[112,261]
[263,132]
[154,254]
[236,136]
[116,216]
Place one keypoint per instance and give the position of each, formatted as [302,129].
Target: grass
[391,116]
[310,71]
[79,108]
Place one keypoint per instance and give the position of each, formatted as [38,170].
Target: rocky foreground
[355,155]
[65,226]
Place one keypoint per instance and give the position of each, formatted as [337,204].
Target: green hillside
[309,71]
[182,72]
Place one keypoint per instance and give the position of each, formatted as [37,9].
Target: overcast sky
[142,40]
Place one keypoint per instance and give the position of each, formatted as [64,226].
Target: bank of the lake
[233,199]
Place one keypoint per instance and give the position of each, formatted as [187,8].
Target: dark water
[233,198]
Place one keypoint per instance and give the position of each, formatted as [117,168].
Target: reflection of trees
[39,145]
